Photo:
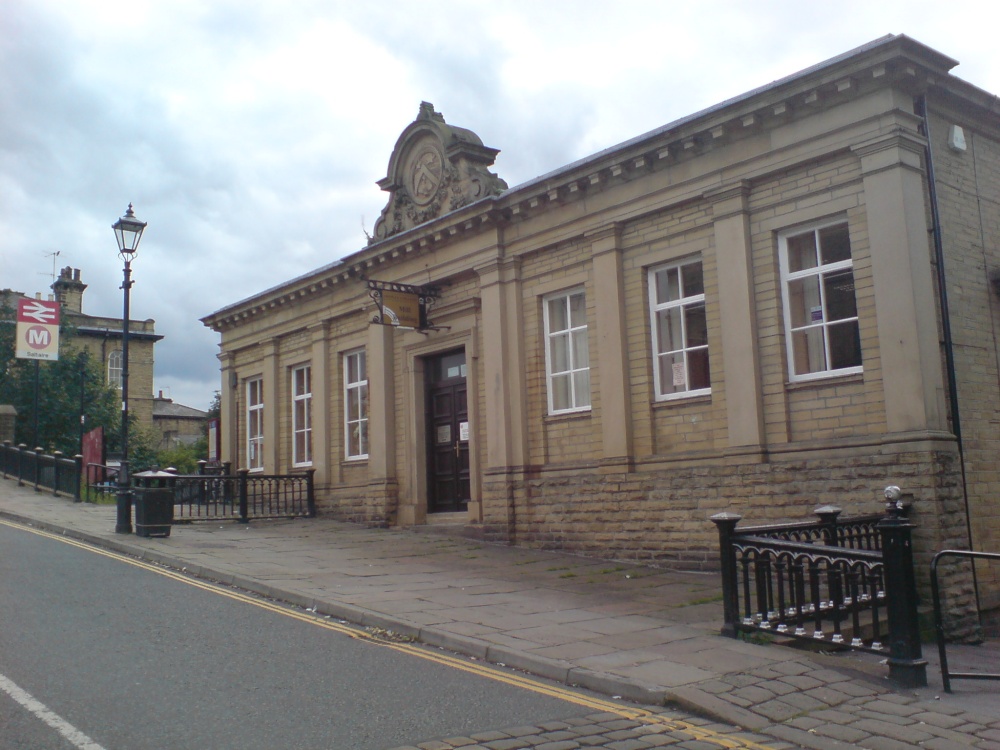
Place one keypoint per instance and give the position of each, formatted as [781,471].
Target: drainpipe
[920,105]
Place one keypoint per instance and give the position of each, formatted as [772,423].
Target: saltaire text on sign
[37,329]
[401,305]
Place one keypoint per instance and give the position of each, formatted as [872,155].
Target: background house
[175,424]
[779,302]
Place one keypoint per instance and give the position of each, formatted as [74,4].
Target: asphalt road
[131,659]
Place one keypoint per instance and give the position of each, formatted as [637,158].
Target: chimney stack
[69,289]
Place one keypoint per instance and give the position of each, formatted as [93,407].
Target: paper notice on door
[463,431]
[443,434]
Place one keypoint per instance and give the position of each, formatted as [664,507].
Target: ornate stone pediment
[434,168]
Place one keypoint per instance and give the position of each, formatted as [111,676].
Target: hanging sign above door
[402,305]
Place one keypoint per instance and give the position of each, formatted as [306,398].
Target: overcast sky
[250,134]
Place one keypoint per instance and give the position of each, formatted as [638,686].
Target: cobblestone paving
[829,710]
[608,730]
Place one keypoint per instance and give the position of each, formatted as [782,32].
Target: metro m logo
[38,337]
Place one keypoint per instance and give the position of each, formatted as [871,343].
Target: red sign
[37,329]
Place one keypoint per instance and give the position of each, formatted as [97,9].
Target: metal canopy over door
[447,433]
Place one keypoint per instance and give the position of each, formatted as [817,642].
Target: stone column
[612,358]
[738,330]
[320,405]
[503,364]
[272,406]
[229,418]
[381,403]
[904,286]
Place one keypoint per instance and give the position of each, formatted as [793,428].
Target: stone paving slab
[646,634]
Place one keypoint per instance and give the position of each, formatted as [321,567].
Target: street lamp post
[128,232]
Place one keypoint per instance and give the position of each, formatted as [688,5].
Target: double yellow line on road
[481,669]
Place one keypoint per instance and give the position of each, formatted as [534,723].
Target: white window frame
[356,393]
[115,366]
[822,324]
[301,378]
[255,424]
[575,371]
[681,371]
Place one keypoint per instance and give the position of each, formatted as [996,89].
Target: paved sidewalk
[642,633]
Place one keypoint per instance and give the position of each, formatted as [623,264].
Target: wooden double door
[447,433]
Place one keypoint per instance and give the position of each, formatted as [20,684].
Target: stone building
[102,337]
[782,301]
[175,424]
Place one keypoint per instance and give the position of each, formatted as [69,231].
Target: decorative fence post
[22,451]
[310,493]
[726,524]
[38,467]
[56,458]
[244,510]
[906,665]
[203,484]
[77,496]
[828,515]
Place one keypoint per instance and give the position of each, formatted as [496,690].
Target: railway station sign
[37,329]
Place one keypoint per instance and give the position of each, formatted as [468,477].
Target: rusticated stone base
[659,515]
[373,504]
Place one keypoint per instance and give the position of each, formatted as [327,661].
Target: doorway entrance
[447,433]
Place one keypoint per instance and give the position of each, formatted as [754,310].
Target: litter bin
[154,511]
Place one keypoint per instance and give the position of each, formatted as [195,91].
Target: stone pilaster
[612,357]
[228,418]
[503,363]
[740,366]
[905,296]
[272,405]
[381,401]
[321,399]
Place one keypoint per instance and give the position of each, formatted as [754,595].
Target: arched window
[115,369]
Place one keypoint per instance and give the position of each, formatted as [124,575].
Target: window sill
[568,416]
[666,403]
[830,380]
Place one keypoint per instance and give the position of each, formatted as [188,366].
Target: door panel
[447,434]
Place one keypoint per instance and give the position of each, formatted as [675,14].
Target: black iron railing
[54,472]
[844,582]
[241,497]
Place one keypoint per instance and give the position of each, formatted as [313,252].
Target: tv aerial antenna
[55,254]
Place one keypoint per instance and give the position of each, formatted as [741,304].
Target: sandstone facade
[644,337]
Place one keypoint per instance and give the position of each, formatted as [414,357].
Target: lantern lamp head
[128,232]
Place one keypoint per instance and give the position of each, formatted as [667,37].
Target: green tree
[141,447]
[184,458]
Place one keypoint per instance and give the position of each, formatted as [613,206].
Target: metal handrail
[946,674]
